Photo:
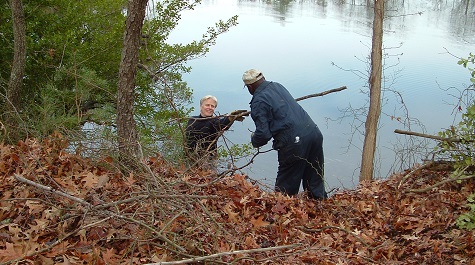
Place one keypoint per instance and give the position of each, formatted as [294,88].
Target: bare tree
[126,126]
[371,125]
[15,83]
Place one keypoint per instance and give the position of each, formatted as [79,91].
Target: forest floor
[60,208]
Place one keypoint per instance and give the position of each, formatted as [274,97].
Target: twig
[171,221]
[107,205]
[159,235]
[213,219]
[217,255]
[335,227]
[49,189]
[411,173]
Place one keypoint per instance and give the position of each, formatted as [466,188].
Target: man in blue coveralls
[297,139]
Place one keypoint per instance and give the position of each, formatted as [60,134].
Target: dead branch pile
[59,208]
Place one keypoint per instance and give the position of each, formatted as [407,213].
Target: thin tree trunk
[126,126]
[15,83]
[371,125]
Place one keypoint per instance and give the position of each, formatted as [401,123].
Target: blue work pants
[302,162]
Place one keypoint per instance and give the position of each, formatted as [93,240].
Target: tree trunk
[371,125]
[126,126]
[15,83]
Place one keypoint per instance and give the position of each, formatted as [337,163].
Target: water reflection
[296,42]
[461,14]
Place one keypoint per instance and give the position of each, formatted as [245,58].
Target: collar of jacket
[260,88]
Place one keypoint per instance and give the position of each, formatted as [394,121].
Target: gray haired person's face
[207,108]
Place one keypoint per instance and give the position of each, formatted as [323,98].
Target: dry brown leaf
[232,216]
[258,222]
[11,251]
[90,180]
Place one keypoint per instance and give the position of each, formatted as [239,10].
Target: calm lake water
[313,46]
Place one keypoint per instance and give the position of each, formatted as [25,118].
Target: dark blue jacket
[277,115]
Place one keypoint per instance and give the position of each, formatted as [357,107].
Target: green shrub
[460,144]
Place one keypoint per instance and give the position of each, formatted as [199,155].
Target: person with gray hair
[203,131]
[297,139]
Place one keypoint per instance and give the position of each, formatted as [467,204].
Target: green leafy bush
[460,144]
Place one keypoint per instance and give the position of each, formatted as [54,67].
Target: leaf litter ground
[60,208]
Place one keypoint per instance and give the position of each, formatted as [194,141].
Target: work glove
[238,115]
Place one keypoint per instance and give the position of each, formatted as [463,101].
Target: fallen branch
[217,255]
[452,140]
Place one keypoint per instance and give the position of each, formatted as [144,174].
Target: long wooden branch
[297,99]
[435,137]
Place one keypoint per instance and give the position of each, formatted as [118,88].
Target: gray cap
[251,76]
